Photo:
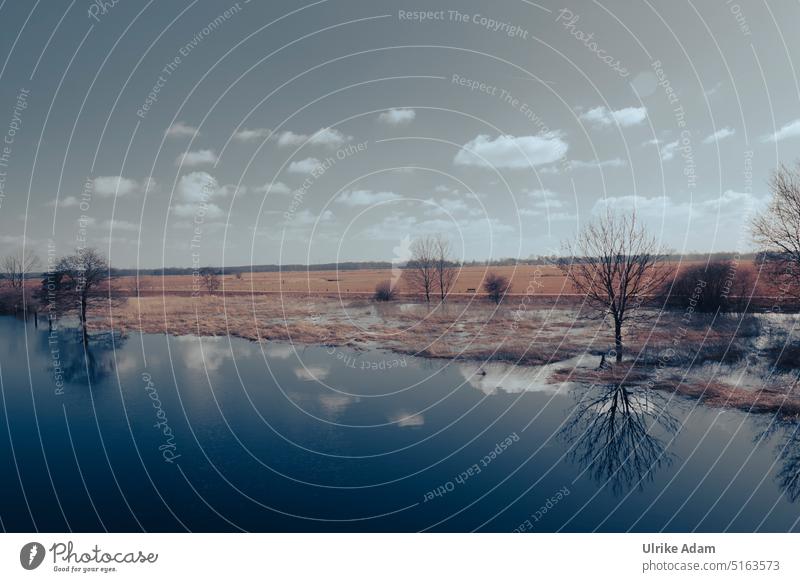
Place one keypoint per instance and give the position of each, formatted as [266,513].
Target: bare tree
[16,268]
[210,279]
[421,269]
[444,266]
[777,229]
[496,286]
[79,282]
[615,264]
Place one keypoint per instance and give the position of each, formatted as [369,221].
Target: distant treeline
[360,265]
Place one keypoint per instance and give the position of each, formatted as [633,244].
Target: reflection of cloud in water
[127,364]
[405,418]
[489,378]
[335,404]
[208,352]
[279,351]
[311,373]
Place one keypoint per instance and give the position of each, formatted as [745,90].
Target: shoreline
[706,370]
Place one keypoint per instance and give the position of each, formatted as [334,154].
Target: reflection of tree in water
[787,453]
[83,360]
[611,433]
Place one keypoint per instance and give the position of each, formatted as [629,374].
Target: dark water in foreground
[268,438]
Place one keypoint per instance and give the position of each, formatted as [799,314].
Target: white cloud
[231,189]
[719,135]
[67,202]
[305,166]
[196,158]
[181,129]
[550,216]
[207,210]
[114,186]
[330,137]
[251,134]
[791,129]
[545,203]
[480,233]
[197,187]
[541,194]
[449,206]
[603,116]
[667,150]
[326,136]
[545,199]
[397,116]
[613,163]
[274,188]
[120,225]
[365,197]
[289,138]
[507,151]
[582,165]
[709,92]
[149,185]
[306,217]
[729,205]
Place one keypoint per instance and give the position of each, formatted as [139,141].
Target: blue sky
[181,133]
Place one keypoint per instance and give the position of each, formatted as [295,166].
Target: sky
[232,133]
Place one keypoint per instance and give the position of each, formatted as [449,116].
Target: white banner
[400,557]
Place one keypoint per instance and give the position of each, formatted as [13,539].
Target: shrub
[722,286]
[385,292]
[496,286]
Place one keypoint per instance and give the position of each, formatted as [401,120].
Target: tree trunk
[618,339]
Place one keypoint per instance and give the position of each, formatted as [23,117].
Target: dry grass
[362,281]
[474,331]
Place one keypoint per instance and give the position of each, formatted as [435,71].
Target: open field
[541,280]
[360,281]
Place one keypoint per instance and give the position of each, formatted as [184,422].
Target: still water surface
[164,433]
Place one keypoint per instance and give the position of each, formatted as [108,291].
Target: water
[217,434]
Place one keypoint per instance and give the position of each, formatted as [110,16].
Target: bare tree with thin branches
[777,229]
[614,263]
[16,268]
[444,266]
[210,279]
[421,269]
[83,281]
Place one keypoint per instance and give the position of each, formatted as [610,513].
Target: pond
[158,433]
